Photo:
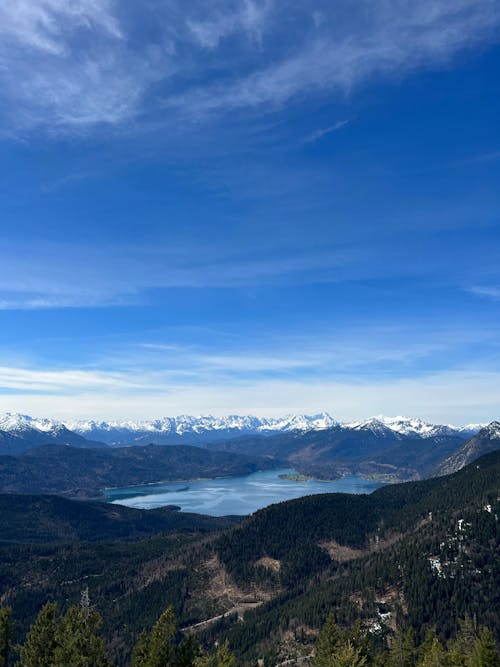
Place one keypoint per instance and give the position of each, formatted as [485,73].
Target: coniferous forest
[409,575]
[74,639]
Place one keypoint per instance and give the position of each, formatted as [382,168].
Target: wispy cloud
[248,17]
[488,291]
[443,397]
[323,131]
[395,37]
[42,380]
[71,66]
[351,374]
[64,275]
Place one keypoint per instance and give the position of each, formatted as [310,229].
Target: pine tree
[402,652]
[187,652]
[434,655]
[158,648]
[348,656]
[224,657]
[460,649]
[77,641]
[484,653]
[328,641]
[140,650]
[40,644]
[5,635]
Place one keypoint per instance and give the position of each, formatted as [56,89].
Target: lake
[239,494]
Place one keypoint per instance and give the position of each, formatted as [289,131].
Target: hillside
[86,473]
[49,519]
[423,554]
[487,440]
[368,450]
[366,557]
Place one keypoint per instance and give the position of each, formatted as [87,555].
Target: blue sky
[250,206]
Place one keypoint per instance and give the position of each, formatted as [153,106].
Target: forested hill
[47,519]
[86,473]
[291,532]
[417,555]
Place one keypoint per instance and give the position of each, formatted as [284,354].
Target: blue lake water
[240,494]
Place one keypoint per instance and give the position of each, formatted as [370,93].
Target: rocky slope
[487,440]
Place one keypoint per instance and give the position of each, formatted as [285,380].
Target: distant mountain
[413,426]
[184,428]
[389,450]
[195,430]
[487,440]
[19,433]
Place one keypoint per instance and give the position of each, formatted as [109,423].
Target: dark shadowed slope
[30,518]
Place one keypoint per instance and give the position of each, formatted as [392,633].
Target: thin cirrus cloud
[89,276]
[72,66]
[344,374]
[488,291]
[46,380]
[323,131]
[248,17]
[439,397]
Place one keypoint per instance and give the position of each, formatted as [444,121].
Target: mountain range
[19,433]
[195,430]
[45,456]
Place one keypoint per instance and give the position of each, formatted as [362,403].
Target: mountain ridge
[172,430]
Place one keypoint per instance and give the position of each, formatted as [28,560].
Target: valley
[294,561]
[266,580]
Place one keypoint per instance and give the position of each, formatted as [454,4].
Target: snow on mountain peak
[492,430]
[13,422]
[185,424]
[168,428]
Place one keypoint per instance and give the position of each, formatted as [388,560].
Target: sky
[250,206]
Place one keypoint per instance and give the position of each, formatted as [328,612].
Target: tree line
[473,646]
[73,639]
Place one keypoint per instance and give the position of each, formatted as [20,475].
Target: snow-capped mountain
[413,427]
[173,429]
[169,430]
[487,440]
[194,430]
[14,422]
[21,432]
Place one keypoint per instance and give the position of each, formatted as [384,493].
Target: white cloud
[489,291]
[449,397]
[323,131]
[67,65]
[63,275]
[393,38]
[71,65]
[44,25]
[19,379]
[351,374]
[248,17]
